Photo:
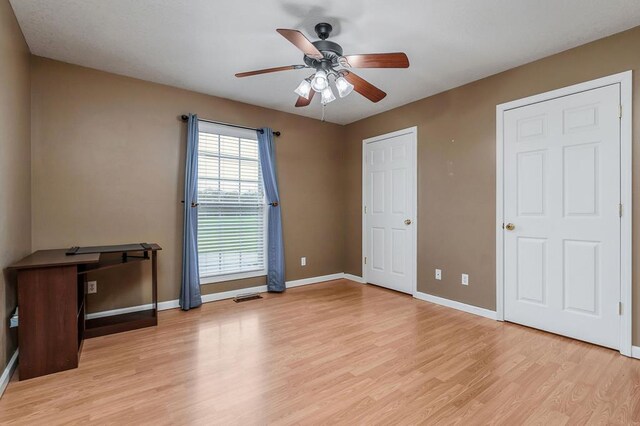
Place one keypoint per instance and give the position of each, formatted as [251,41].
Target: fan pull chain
[323,106]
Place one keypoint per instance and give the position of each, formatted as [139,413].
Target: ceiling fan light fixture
[303,89]
[343,86]
[327,95]
[320,81]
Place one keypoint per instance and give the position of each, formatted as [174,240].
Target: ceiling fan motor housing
[329,49]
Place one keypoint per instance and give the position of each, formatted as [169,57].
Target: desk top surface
[58,257]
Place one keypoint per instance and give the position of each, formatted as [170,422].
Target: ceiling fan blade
[363,87]
[379,60]
[268,70]
[302,102]
[301,42]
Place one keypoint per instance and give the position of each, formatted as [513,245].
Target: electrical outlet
[92,287]
[303,261]
[465,279]
[438,274]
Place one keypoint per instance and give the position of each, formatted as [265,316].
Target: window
[232,208]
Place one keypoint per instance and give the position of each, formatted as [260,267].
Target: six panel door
[389,202]
[562,197]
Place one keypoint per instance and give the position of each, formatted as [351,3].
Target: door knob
[407,221]
[510,227]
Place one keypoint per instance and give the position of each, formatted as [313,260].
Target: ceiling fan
[327,59]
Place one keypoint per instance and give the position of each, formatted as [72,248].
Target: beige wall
[456,166]
[108,154]
[15,160]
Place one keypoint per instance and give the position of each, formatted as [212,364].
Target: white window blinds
[232,208]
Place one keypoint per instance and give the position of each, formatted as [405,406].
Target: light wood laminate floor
[332,353]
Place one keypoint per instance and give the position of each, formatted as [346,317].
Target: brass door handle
[509,227]
[407,221]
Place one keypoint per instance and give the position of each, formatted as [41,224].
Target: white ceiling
[200,44]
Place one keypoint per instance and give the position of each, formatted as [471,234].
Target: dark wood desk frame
[52,299]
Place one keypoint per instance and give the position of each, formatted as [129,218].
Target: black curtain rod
[186,117]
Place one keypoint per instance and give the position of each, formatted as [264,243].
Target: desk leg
[154,279]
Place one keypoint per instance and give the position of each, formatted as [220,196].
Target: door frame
[624,79]
[414,231]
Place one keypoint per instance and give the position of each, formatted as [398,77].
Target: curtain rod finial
[184,117]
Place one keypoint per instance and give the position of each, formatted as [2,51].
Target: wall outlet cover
[303,261]
[465,279]
[438,274]
[92,287]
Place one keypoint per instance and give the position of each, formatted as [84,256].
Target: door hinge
[619,308]
[620,209]
[620,112]
[365,260]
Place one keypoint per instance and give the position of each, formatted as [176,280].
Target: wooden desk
[52,299]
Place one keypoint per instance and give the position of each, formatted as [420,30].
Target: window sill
[232,277]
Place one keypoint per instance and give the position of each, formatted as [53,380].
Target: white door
[562,196]
[389,210]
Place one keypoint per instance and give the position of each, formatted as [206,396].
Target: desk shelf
[117,323]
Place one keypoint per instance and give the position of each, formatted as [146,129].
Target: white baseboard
[8,372]
[162,306]
[120,311]
[314,280]
[213,297]
[635,352]
[355,278]
[169,304]
[457,305]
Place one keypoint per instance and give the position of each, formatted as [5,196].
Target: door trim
[624,79]
[414,233]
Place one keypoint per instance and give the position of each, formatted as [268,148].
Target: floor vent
[246,297]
